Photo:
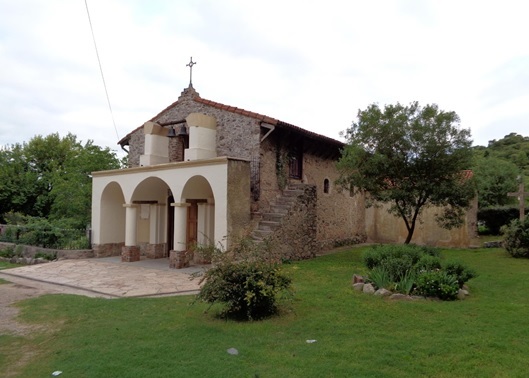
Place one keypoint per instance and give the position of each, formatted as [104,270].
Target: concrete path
[108,277]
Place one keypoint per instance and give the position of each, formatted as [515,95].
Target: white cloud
[310,63]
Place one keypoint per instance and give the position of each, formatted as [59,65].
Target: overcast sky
[313,64]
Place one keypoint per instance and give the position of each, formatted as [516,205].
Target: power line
[101,69]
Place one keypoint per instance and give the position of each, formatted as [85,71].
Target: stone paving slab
[109,279]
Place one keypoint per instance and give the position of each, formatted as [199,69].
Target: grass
[357,335]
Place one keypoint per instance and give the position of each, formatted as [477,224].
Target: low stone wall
[26,253]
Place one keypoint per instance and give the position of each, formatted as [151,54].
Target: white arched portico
[144,191]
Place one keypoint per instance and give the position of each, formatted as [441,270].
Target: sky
[313,64]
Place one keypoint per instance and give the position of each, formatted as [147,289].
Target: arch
[198,194]
[112,215]
[197,187]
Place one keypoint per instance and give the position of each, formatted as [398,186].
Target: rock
[462,294]
[465,287]
[417,297]
[368,289]
[399,296]
[358,286]
[493,244]
[358,279]
[383,292]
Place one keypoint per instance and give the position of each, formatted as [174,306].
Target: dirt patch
[11,293]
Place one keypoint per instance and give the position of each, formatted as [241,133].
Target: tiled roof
[257,116]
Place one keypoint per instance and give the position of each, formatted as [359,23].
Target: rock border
[359,284]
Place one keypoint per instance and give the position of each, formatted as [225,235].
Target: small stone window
[351,190]
[326,186]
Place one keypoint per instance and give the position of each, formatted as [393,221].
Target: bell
[171,133]
[182,131]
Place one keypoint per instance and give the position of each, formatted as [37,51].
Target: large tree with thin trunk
[410,157]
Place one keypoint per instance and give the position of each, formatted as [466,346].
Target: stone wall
[237,135]
[238,201]
[341,216]
[29,251]
[383,227]
[296,238]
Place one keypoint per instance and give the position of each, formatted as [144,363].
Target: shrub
[46,256]
[437,284]
[376,255]
[461,272]
[397,267]
[246,281]
[380,277]
[428,263]
[406,283]
[8,252]
[516,238]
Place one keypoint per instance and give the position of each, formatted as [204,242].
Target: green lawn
[356,335]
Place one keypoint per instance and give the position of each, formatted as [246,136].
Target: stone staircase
[272,219]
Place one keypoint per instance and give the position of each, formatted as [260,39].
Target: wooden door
[192,224]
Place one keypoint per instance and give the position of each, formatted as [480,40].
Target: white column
[153,224]
[130,224]
[210,216]
[180,225]
[203,224]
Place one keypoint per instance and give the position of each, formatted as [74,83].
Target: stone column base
[130,254]
[178,259]
[155,251]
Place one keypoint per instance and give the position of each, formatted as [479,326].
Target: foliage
[48,177]
[407,282]
[377,255]
[494,218]
[437,284]
[46,256]
[380,277]
[514,148]
[404,267]
[460,271]
[428,263]
[41,232]
[247,281]
[410,157]
[495,178]
[516,238]
[8,252]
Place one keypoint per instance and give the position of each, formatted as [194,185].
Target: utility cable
[101,68]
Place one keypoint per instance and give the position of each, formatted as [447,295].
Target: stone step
[268,225]
[281,209]
[261,234]
[286,200]
[273,217]
[292,193]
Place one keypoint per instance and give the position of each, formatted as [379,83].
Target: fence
[46,237]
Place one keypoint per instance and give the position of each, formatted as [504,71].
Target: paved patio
[108,277]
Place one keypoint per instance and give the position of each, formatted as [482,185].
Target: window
[326,186]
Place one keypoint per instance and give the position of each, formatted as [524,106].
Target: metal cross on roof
[190,65]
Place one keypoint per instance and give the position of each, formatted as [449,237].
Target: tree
[410,157]
[495,178]
[48,177]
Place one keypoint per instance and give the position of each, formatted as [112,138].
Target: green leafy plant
[406,283]
[246,281]
[437,284]
[380,277]
[50,256]
[460,271]
[516,238]
[428,263]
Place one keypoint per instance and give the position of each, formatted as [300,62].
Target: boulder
[358,279]
[400,297]
[368,289]
[383,292]
[358,286]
